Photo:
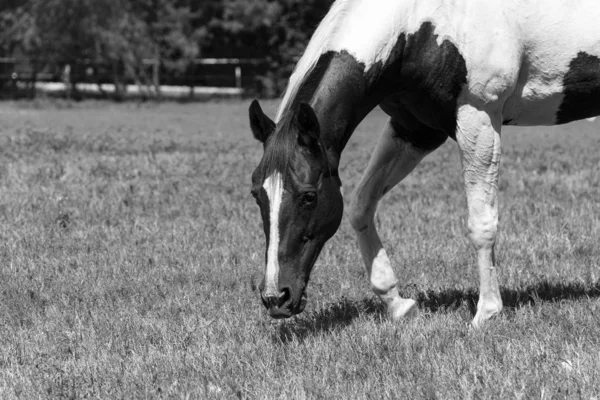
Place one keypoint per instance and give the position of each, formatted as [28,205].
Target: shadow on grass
[342,313]
[545,291]
[334,316]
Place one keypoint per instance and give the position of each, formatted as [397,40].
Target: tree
[170,32]
[277,31]
[120,34]
[18,33]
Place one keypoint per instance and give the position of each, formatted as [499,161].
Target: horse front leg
[478,137]
[392,160]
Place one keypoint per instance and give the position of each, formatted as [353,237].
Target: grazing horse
[438,69]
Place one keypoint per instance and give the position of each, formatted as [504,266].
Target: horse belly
[559,79]
[533,105]
[570,96]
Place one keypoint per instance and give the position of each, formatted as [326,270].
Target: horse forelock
[316,47]
[279,150]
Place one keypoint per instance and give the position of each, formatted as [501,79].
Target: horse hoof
[402,309]
[476,324]
[485,312]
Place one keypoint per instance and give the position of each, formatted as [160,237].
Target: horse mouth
[284,312]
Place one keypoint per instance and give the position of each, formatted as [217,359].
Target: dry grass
[130,251]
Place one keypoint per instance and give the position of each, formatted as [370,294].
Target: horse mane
[280,147]
[317,46]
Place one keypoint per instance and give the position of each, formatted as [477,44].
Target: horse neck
[340,95]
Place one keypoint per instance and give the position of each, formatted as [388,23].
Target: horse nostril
[284,296]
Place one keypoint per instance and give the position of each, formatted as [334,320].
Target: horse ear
[308,126]
[261,125]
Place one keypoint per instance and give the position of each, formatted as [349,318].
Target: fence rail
[229,76]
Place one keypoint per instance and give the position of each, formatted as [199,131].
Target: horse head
[298,190]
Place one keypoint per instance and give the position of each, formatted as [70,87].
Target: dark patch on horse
[313,80]
[340,74]
[333,69]
[420,83]
[409,129]
[581,88]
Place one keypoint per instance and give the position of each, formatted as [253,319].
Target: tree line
[118,37]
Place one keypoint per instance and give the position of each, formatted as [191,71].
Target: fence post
[238,77]
[156,72]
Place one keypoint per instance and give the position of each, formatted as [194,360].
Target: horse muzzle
[281,305]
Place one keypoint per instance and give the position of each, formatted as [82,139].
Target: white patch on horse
[273,185]
[525,57]
[384,21]
[376,42]
[523,63]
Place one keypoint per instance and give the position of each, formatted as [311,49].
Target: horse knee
[361,215]
[483,229]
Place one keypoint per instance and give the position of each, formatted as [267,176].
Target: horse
[439,69]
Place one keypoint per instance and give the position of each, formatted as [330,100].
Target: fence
[205,76]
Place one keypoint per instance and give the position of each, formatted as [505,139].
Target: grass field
[130,252]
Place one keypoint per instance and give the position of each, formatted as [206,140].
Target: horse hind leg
[392,160]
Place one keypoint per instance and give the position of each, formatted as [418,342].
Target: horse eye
[309,198]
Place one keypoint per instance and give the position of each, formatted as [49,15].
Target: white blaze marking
[274,187]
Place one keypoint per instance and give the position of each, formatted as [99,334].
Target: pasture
[131,249]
